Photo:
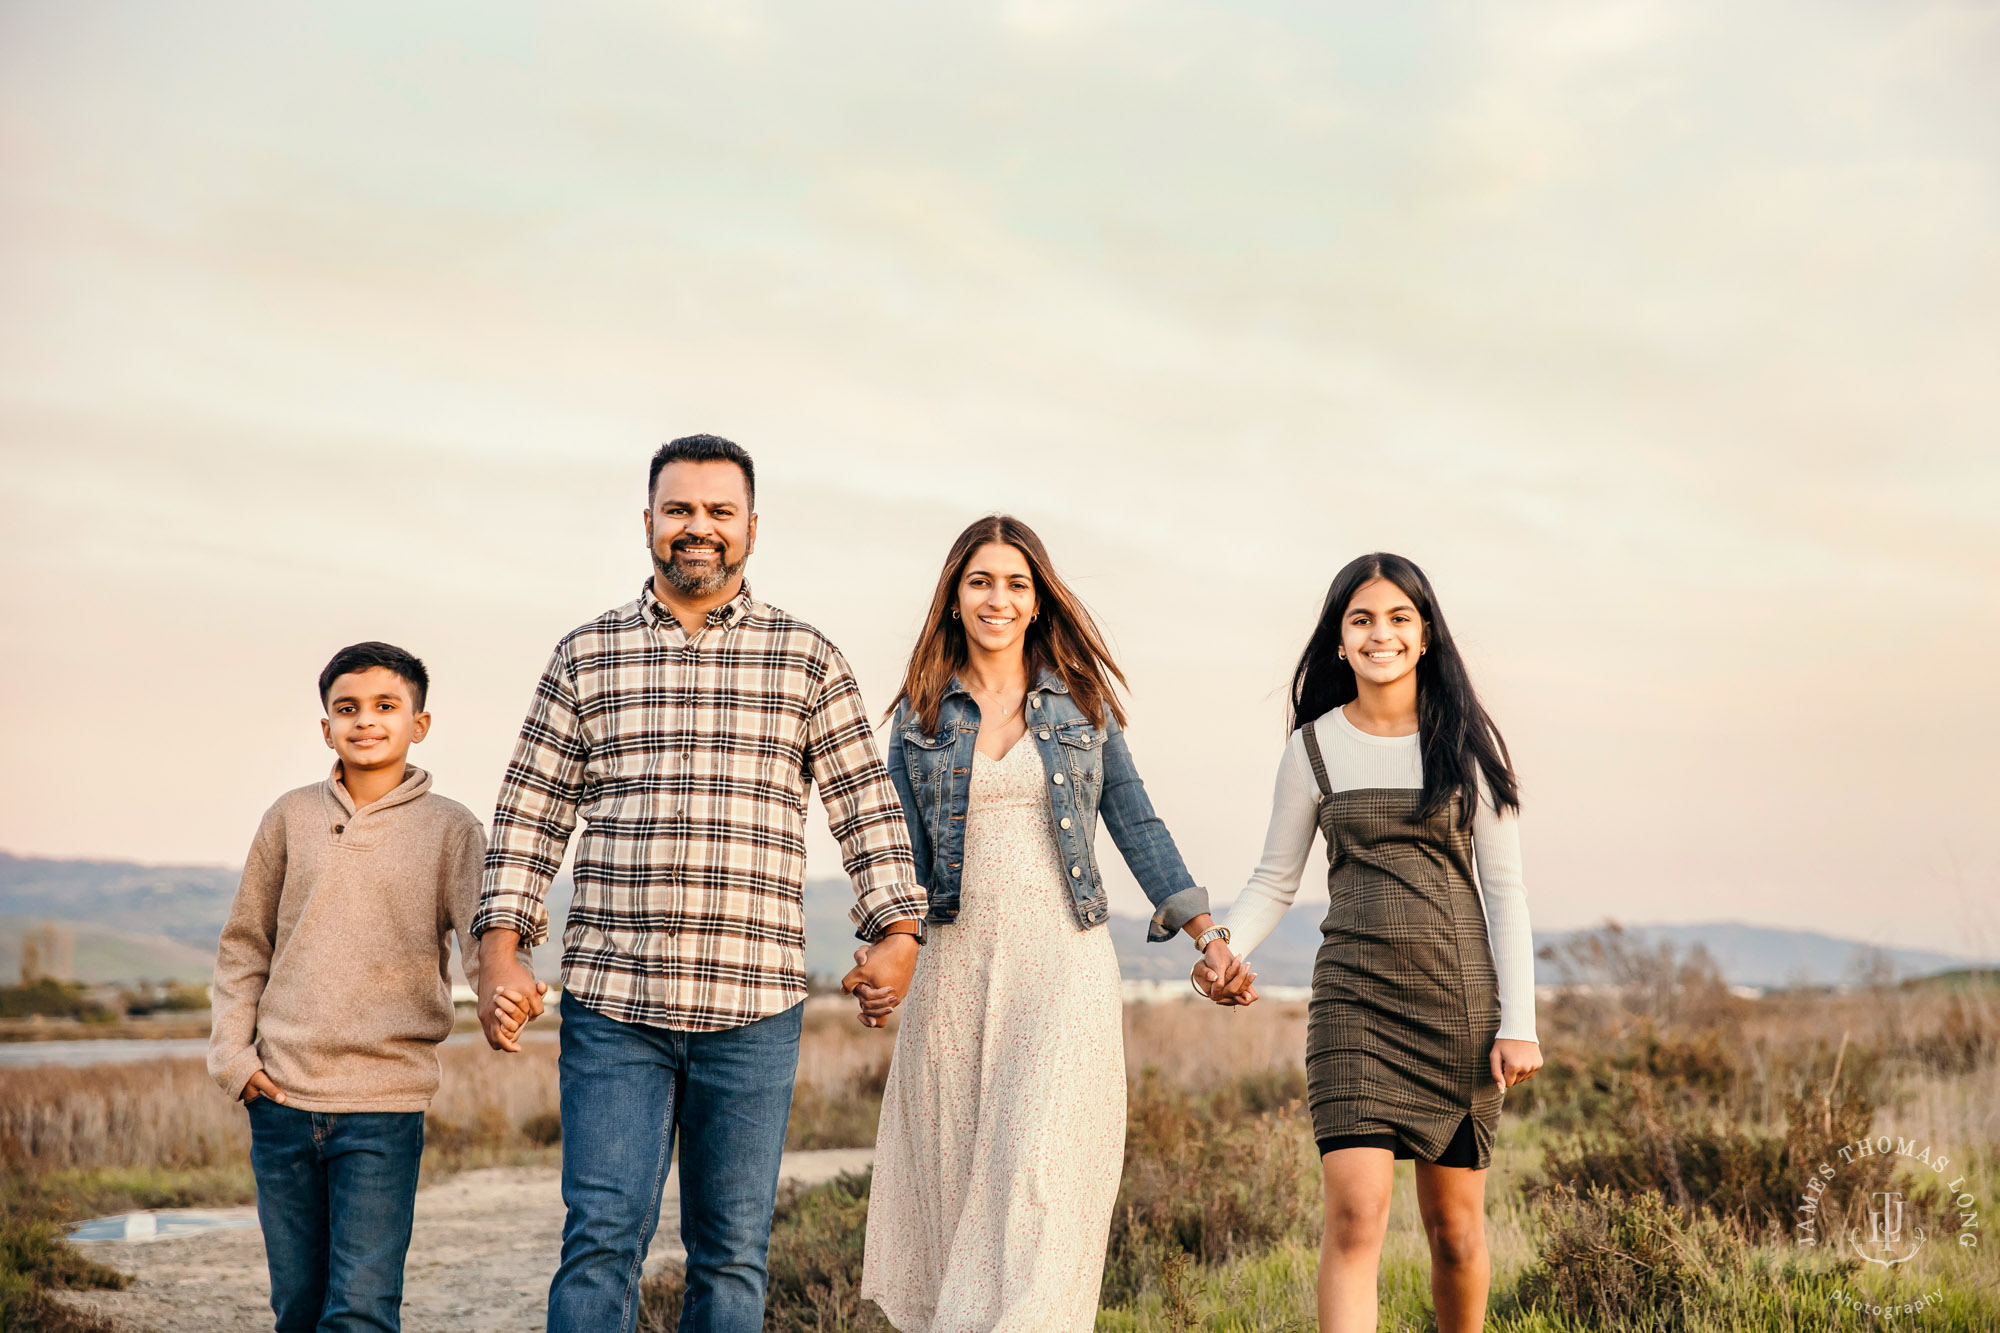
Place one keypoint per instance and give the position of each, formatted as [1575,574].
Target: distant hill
[161,923]
[184,903]
[105,954]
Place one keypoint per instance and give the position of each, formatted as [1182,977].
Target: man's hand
[1512,1061]
[509,995]
[260,1085]
[881,976]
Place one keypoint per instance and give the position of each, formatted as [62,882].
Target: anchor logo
[1886,1232]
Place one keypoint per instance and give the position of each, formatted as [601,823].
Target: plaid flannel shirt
[688,758]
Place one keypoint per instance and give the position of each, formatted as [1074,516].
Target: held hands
[509,996]
[1223,977]
[1514,1061]
[881,976]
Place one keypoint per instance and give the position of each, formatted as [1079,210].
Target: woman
[1423,998]
[1003,1122]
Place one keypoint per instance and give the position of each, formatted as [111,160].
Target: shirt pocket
[927,758]
[1083,749]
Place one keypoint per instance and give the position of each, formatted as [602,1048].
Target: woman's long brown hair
[1063,638]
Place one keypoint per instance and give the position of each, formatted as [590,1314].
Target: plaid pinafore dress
[1405,1003]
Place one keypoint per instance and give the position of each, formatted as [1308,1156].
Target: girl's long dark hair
[1459,742]
[1063,638]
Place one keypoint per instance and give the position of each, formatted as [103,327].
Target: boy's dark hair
[702,449]
[361,656]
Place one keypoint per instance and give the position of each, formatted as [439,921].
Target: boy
[332,991]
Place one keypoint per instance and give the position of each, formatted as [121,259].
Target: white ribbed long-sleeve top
[1356,760]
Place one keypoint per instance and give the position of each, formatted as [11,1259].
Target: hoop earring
[954,613]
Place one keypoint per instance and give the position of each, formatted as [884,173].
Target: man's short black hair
[361,656]
[702,449]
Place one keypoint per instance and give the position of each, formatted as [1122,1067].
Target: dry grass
[1649,1085]
[1198,1045]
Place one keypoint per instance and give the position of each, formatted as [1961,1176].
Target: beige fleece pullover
[333,972]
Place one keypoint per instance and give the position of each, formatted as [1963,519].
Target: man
[685,728]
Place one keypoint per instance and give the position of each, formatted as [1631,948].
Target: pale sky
[1662,335]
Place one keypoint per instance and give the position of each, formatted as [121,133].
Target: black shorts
[1462,1151]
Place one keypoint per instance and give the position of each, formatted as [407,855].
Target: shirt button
[1076,872]
[1065,822]
[1058,779]
[340,828]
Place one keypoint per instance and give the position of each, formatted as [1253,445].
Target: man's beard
[694,583]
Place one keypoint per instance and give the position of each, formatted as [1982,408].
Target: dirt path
[465,1274]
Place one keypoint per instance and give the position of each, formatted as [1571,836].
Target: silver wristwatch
[1209,936]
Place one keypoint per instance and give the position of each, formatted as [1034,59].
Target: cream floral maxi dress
[1003,1123]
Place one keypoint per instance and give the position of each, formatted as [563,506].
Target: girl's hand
[1223,977]
[1512,1061]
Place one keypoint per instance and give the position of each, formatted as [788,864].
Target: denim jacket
[1090,771]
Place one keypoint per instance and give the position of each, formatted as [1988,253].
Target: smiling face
[372,719]
[996,598]
[700,526]
[1382,635]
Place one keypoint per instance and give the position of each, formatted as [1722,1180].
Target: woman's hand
[876,1002]
[1223,977]
[1512,1061]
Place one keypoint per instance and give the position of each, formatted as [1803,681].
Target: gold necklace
[976,692]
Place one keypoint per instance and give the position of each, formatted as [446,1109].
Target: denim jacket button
[1035,702]
[1076,872]
[1065,821]
[1058,779]
[1045,735]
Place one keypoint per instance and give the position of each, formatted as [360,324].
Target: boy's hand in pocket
[260,1085]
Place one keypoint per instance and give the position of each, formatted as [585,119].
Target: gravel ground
[484,1248]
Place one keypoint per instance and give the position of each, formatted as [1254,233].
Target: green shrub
[1214,1176]
[34,1258]
[817,1236]
[49,998]
[1750,1179]
[1609,1261]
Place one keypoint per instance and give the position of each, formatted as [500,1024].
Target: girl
[1003,1122]
[1423,1004]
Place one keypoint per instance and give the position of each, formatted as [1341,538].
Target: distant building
[47,950]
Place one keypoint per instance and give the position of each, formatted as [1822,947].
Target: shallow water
[160,1224]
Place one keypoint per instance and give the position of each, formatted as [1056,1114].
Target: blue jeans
[335,1195]
[626,1088]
